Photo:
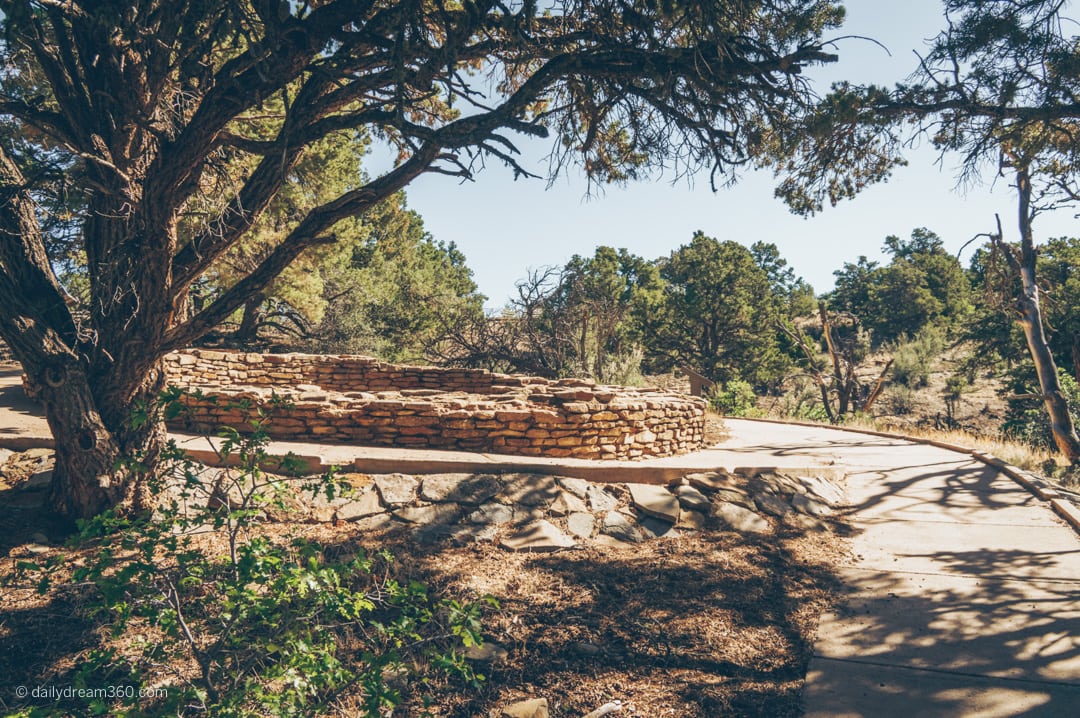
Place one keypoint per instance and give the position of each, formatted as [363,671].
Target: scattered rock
[431,515]
[763,484]
[657,528]
[605,541]
[580,524]
[620,527]
[357,481]
[773,505]
[38,481]
[40,538]
[532,708]
[487,652]
[690,520]
[776,484]
[711,480]
[810,506]
[460,488]
[578,487]
[396,489]
[740,518]
[537,536]
[427,534]
[655,501]
[566,503]
[19,466]
[527,514]
[735,496]
[358,506]
[492,514]
[378,522]
[473,534]
[692,499]
[806,523]
[601,500]
[825,490]
[529,490]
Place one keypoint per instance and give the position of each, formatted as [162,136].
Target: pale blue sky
[506,227]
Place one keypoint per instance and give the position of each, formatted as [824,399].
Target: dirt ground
[715,623]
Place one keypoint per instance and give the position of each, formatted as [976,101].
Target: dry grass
[976,420]
[1045,464]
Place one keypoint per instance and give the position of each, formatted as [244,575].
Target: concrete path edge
[1037,486]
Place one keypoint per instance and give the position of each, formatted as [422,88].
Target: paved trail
[965,589]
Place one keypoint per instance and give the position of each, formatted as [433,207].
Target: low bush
[1026,419]
[207,609]
[913,359]
[734,398]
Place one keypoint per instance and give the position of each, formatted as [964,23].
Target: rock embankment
[544,513]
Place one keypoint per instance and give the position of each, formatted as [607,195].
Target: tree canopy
[718,314]
[135,107]
[922,285]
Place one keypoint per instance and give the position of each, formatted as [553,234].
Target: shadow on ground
[715,625]
[989,625]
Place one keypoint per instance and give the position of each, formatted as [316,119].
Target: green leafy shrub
[913,359]
[901,400]
[801,401]
[1026,419]
[807,412]
[211,611]
[734,398]
[623,368]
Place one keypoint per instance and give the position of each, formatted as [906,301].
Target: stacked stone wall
[361,400]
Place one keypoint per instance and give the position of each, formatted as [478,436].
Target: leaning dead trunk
[1030,319]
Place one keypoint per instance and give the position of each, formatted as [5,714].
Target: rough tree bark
[1029,316]
[87,410]
[248,331]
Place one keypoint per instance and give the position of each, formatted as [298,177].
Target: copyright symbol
[21,692]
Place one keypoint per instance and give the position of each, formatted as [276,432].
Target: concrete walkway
[964,589]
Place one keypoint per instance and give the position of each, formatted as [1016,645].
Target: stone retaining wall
[361,400]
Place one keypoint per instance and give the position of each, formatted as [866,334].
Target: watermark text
[112,692]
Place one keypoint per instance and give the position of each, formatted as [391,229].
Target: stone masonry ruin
[361,400]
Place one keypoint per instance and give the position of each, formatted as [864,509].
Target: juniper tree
[139,103]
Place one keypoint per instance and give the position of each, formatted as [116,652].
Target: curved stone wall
[361,400]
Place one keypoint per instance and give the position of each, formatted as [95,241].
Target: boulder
[740,518]
[655,501]
[539,536]
[396,489]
